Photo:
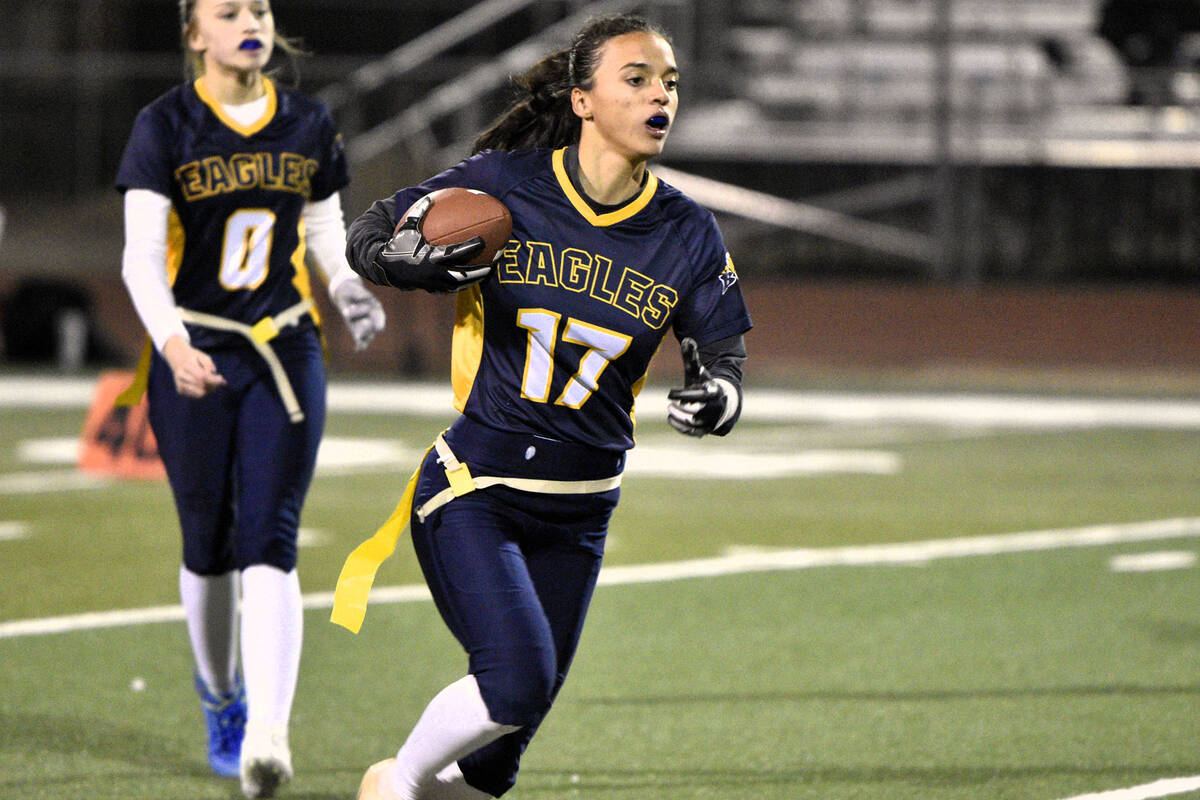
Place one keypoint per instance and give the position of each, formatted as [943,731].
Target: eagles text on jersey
[560,337]
[235,238]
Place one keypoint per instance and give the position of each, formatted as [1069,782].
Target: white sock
[210,606]
[451,785]
[272,630]
[455,723]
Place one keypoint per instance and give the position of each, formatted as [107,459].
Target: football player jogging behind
[229,183]
[510,507]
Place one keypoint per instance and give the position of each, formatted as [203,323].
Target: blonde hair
[193,65]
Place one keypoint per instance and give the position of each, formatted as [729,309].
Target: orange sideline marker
[117,440]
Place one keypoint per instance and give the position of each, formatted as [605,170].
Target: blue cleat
[226,718]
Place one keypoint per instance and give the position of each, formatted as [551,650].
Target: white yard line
[977,411]
[13,529]
[46,392]
[980,410]
[45,481]
[959,412]
[1160,788]
[736,563]
[687,460]
[1153,562]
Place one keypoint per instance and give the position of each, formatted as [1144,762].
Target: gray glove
[360,309]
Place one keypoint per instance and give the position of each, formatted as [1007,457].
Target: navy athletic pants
[239,469]
[512,574]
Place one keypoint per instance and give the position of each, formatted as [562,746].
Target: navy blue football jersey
[558,340]
[235,243]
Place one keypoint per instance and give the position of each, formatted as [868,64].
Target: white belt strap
[258,335]
[463,482]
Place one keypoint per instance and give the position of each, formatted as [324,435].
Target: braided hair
[542,115]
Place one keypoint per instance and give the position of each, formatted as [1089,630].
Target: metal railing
[463,92]
[415,54]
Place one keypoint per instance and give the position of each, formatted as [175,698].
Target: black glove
[408,261]
[699,406]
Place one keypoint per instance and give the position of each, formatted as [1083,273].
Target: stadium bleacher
[792,97]
[880,61]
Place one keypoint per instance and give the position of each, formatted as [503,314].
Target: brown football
[459,214]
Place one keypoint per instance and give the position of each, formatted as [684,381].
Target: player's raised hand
[195,373]
[361,310]
[408,261]
[699,406]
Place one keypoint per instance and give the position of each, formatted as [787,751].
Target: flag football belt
[463,482]
[358,573]
[258,335]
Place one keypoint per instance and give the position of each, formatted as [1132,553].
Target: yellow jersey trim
[558,160]
[230,122]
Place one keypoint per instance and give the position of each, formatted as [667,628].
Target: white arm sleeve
[326,234]
[144,265]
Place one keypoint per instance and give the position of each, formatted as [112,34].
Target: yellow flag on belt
[358,573]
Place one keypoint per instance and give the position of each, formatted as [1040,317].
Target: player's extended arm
[710,401]
[326,232]
[144,265]
[144,271]
[405,259]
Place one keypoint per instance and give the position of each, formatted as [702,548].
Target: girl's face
[634,96]
[234,36]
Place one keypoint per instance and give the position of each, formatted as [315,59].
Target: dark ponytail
[542,116]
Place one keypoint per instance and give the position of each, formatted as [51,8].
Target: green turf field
[798,650]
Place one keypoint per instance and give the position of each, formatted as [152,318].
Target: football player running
[228,181]
[510,507]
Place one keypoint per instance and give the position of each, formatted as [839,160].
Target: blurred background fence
[946,170]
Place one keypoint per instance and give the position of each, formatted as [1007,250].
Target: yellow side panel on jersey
[467,344]
[175,241]
[640,384]
[302,280]
[132,394]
